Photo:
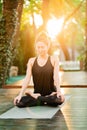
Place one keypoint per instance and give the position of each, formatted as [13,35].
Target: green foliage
[25,48]
[0,8]
[30,7]
[76,2]
[4,52]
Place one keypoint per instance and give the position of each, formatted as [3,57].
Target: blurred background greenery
[21,20]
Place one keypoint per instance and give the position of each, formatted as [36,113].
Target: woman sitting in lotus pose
[44,70]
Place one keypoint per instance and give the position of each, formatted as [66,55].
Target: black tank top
[43,78]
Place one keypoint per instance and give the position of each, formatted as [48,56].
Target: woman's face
[41,48]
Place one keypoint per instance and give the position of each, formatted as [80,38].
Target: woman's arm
[25,81]
[57,79]
[27,77]
[56,74]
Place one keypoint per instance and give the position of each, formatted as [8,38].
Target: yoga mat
[36,112]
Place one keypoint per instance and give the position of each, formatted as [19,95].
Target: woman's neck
[43,56]
[42,60]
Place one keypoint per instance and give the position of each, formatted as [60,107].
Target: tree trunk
[10,23]
[12,11]
[63,46]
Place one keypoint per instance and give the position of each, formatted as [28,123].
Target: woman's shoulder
[31,61]
[54,59]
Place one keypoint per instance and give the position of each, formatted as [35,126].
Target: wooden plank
[73,115]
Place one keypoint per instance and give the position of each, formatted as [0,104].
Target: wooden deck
[72,116]
[68,79]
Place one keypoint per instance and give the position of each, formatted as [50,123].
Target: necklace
[42,61]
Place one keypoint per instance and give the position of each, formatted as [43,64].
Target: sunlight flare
[54,26]
[38,20]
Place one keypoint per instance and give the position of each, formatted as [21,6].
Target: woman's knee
[20,105]
[27,101]
[61,99]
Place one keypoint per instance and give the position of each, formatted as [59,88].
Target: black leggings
[28,101]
